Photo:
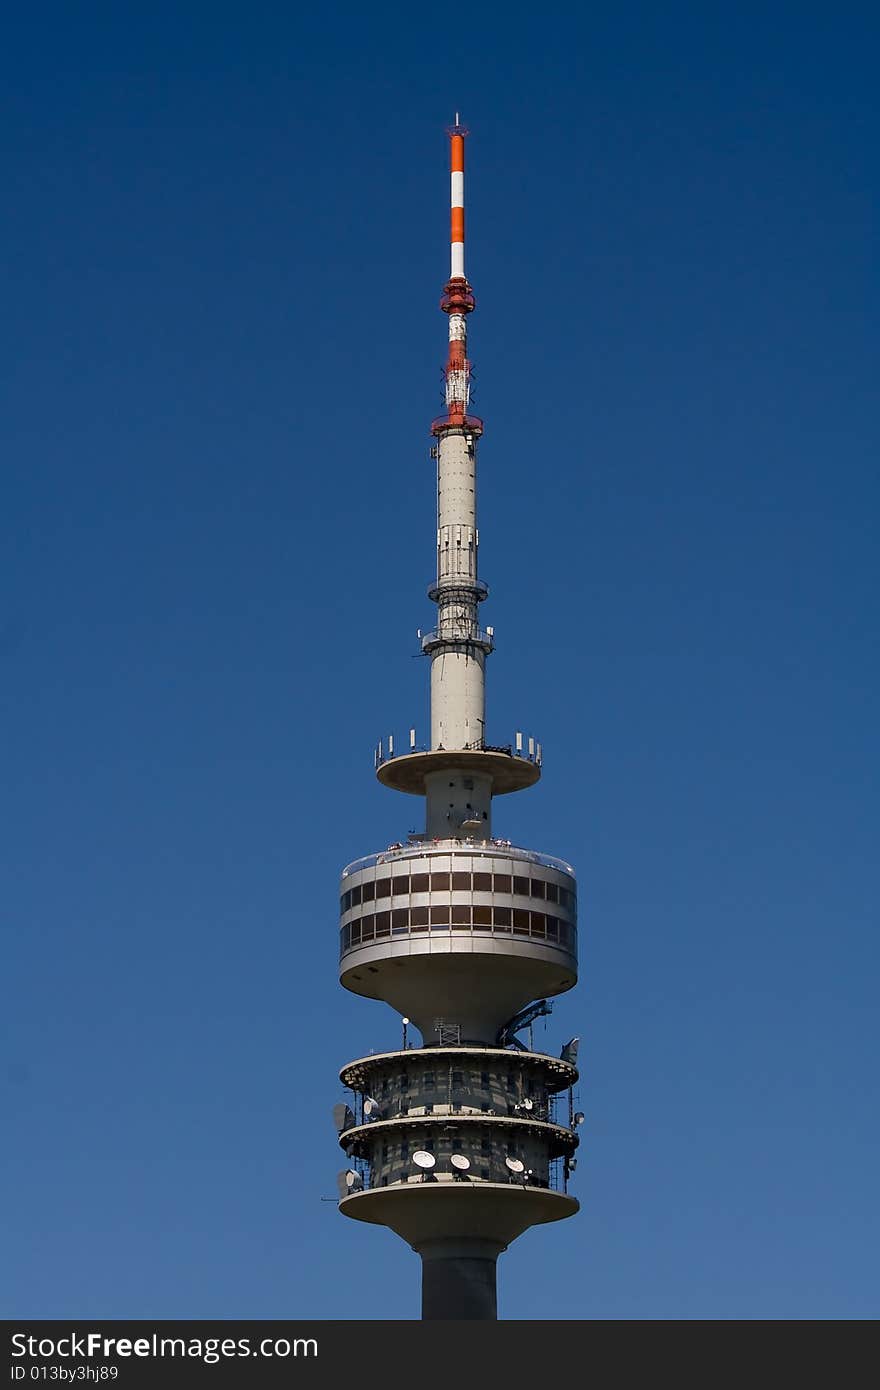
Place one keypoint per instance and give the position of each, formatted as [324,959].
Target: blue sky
[225,235]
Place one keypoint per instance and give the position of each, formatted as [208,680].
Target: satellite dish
[461,1162]
[422,1159]
[572,1164]
[348,1181]
[579,1117]
[515,1165]
[526,1104]
[371,1107]
[342,1117]
[570,1051]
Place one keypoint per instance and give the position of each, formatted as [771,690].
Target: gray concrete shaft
[456,507]
[459,1279]
[458,696]
[458,704]
[458,804]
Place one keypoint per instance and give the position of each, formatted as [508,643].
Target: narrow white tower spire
[463,1143]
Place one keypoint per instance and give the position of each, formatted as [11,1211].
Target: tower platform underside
[508,773]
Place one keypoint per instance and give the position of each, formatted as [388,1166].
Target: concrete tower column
[459,1278]
[458,706]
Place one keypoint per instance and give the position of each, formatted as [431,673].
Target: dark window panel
[521,921]
[383,887]
[400,918]
[538,888]
[482,883]
[355,895]
[539,924]
[503,883]
[440,916]
[482,916]
[439,883]
[368,892]
[461,915]
[419,883]
[367,925]
[461,883]
[521,885]
[355,930]
[502,918]
[418,916]
[400,883]
[552,893]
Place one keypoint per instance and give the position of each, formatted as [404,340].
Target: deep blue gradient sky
[224,237]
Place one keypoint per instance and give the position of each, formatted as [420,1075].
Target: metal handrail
[485,849]
[477,635]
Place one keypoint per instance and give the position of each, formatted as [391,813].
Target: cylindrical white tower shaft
[458,648]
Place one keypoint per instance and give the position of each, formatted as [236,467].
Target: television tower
[460,1144]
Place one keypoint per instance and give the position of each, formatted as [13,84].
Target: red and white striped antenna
[458,297]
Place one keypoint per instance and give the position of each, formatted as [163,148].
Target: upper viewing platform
[510,768]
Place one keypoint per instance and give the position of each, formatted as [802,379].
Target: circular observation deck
[466,933]
[362,1141]
[366,1074]
[509,773]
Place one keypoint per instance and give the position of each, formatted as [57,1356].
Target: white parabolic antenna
[515,1165]
[461,1162]
[348,1181]
[422,1159]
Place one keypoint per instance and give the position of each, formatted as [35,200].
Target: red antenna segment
[458,299]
